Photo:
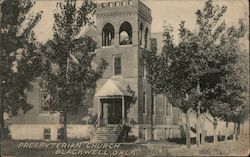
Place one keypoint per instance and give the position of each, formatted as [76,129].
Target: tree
[168,74]
[235,94]
[190,71]
[228,94]
[19,57]
[73,55]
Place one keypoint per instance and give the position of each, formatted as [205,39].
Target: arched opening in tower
[108,35]
[146,38]
[125,34]
[140,34]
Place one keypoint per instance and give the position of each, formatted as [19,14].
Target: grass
[222,148]
[10,148]
[152,148]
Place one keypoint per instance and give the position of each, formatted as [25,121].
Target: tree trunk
[188,140]
[65,126]
[198,127]
[1,114]
[234,133]
[238,131]
[215,130]
[198,117]
[242,130]
[2,123]
[226,131]
[203,131]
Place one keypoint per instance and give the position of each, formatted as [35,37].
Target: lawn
[13,148]
[149,149]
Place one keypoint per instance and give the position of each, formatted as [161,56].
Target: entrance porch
[111,110]
[113,103]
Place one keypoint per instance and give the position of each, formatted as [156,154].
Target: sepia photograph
[124,78]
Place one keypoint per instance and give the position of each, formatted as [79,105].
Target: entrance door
[115,111]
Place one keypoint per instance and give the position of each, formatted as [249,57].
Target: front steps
[105,134]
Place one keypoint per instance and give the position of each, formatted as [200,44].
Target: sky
[170,11]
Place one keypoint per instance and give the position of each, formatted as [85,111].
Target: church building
[123,97]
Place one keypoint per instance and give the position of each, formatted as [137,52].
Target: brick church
[122,97]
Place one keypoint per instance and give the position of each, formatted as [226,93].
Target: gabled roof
[91,32]
[112,88]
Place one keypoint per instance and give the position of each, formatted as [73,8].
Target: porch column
[123,110]
[99,110]
[105,113]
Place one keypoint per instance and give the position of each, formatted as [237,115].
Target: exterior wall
[160,132]
[133,12]
[35,131]
[129,76]
[35,116]
[208,127]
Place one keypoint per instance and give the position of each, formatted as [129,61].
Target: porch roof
[112,88]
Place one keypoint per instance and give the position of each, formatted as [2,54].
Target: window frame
[114,65]
[41,110]
[108,31]
[127,28]
[45,134]
[60,132]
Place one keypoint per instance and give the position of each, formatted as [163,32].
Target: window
[60,132]
[144,71]
[168,107]
[103,5]
[123,3]
[125,34]
[45,101]
[108,35]
[130,2]
[140,34]
[110,4]
[46,133]
[153,134]
[144,136]
[167,133]
[117,4]
[117,65]
[153,104]
[146,38]
[144,103]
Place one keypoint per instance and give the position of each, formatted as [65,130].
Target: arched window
[125,34]
[108,35]
[146,38]
[140,33]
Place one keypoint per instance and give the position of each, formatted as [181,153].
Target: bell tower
[129,19]
[123,34]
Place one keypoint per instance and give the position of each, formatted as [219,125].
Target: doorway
[115,111]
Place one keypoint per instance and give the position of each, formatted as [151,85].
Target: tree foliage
[200,72]
[19,58]
[69,56]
